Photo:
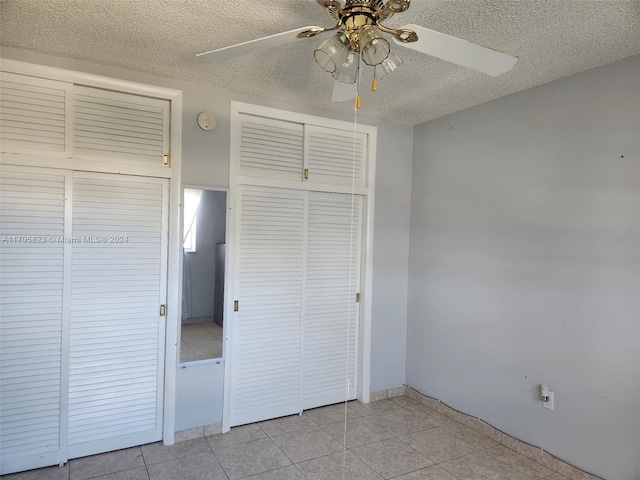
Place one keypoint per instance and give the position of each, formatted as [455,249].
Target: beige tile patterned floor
[200,341]
[390,439]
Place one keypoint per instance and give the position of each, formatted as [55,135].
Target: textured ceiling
[552,38]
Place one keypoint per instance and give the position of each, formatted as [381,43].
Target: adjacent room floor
[201,340]
[395,438]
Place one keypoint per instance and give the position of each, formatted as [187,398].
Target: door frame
[363,366]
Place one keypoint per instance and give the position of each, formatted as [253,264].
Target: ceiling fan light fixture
[392,62]
[331,54]
[347,72]
[360,25]
[373,46]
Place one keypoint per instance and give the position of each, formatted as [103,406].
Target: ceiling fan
[359,41]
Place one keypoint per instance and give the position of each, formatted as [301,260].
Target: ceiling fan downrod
[356,14]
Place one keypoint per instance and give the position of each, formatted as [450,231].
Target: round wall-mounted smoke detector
[206,121]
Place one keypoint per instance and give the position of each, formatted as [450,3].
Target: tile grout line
[411,393]
[397,436]
[494,458]
[311,424]
[450,473]
[216,457]
[301,472]
[477,449]
[511,466]
[144,462]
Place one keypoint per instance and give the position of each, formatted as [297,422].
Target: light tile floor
[395,438]
[200,341]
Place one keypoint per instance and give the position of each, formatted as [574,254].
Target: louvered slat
[33,114]
[31,298]
[271,148]
[116,334]
[335,157]
[331,314]
[119,127]
[267,330]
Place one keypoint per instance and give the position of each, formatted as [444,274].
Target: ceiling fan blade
[344,91]
[459,51]
[253,46]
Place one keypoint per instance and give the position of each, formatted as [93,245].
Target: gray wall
[525,266]
[198,402]
[390,257]
[206,162]
[210,230]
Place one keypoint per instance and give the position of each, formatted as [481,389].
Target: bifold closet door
[331,311]
[296,329]
[267,328]
[32,277]
[118,282]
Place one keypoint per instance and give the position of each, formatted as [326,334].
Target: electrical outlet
[549,404]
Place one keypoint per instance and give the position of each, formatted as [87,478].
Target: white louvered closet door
[32,274]
[117,334]
[33,116]
[335,157]
[270,148]
[331,311]
[119,127]
[269,284]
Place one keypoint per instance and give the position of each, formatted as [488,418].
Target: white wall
[525,266]
[206,162]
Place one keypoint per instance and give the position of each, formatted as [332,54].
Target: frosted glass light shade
[347,72]
[374,48]
[331,53]
[392,62]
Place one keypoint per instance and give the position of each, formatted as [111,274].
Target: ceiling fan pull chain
[374,85]
[358,79]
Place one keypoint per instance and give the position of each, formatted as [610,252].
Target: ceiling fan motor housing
[354,12]
[372,3]
[354,15]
